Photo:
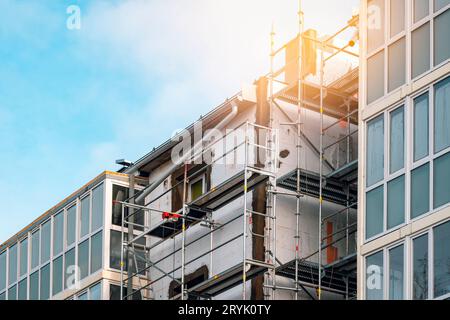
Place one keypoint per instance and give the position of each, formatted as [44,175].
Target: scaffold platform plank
[333,190]
[334,276]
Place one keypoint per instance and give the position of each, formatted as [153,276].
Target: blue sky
[73,101]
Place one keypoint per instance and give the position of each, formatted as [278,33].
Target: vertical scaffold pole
[244,236]
[183,237]
[121,252]
[319,293]
[298,144]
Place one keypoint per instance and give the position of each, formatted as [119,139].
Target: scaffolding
[335,187]
[337,100]
[199,211]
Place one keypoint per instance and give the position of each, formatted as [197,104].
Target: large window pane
[23,257]
[420,191]
[95,292]
[421,9]
[58,231]
[441,183]
[375,77]
[45,282]
[439,4]
[374,212]
[420,48]
[396,202]
[12,293]
[397,140]
[375,24]
[34,286]
[397,16]
[375,150]
[96,252]
[420,268]
[441,37]
[45,242]
[441,260]
[115,248]
[12,262]
[57,275]
[374,276]
[3,296]
[119,193]
[396,273]
[83,296]
[397,67]
[442,115]
[84,217]
[69,269]
[22,292]
[2,270]
[83,259]
[35,249]
[421,127]
[97,207]
[71,227]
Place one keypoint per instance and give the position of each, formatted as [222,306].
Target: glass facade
[43,264]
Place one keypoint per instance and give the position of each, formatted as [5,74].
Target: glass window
[45,282]
[420,268]
[95,292]
[83,296]
[45,242]
[442,115]
[12,293]
[34,286]
[420,49]
[12,269]
[22,292]
[374,276]
[96,252]
[119,194]
[3,296]
[397,140]
[83,259]
[374,212]
[58,231]
[115,247]
[420,191]
[23,257]
[2,270]
[84,217]
[375,77]
[397,68]
[441,182]
[441,42]
[71,227]
[396,273]
[35,249]
[396,202]
[375,150]
[196,189]
[97,207]
[57,275]
[439,4]
[441,260]
[69,269]
[421,127]
[397,16]
[375,24]
[114,293]
[421,9]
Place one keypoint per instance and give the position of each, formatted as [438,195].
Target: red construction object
[169,215]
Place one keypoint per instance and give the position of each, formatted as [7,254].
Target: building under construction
[256,200]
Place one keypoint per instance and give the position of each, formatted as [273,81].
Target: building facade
[404,150]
